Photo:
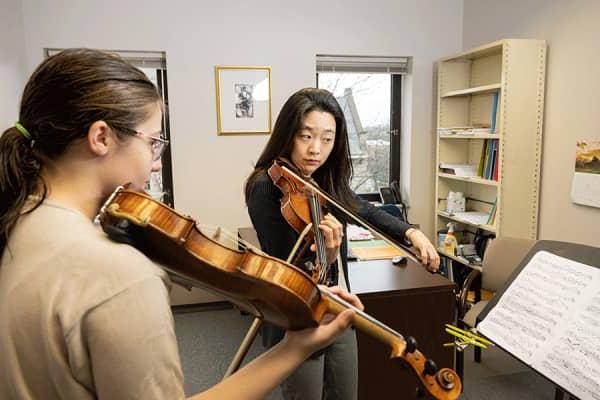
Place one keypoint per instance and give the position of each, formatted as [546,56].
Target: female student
[310,132]
[84,317]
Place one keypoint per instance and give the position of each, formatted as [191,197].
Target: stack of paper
[464,170]
[464,130]
[473,217]
[355,232]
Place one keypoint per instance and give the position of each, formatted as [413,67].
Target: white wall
[209,170]
[571,29]
[12,71]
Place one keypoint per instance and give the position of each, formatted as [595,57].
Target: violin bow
[409,252]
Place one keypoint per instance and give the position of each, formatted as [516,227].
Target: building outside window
[369,91]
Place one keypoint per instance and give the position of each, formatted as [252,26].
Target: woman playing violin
[82,316]
[310,132]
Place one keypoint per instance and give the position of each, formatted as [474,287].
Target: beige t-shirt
[82,317]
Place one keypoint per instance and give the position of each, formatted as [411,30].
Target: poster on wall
[243,100]
[586,180]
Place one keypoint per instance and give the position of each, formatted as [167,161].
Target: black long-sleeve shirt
[277,237]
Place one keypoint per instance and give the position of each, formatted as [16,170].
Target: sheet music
[549,317]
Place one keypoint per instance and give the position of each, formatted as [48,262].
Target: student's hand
[427,252]
[330,328]
[345,295]
[333,232]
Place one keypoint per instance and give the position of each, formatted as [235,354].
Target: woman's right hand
[330,327]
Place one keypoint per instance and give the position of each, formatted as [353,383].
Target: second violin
[302,207]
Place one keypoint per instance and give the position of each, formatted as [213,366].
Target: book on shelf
[494,114]
[495,171]
[488,158]
[488,163]
[492,215]
[482,159]
[491,159]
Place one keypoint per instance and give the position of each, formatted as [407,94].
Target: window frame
[156,60]
[395,131]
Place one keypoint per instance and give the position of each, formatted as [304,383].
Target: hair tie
[23,131]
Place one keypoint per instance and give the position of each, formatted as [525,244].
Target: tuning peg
[430,367]
[411,344]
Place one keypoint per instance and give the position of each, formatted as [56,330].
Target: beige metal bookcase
[515,68]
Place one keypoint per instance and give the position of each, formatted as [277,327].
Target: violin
[264,286]
[302,207]
[293,182]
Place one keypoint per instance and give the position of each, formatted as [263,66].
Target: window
[369,92]
[154,65]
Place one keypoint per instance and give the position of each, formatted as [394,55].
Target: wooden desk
[414,303]
[409,300]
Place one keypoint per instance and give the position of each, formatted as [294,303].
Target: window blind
[374,64]
[141,59]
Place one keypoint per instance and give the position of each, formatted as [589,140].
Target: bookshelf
[490,105]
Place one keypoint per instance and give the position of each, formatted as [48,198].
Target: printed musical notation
[549,317]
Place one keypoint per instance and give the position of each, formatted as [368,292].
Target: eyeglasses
[157,143]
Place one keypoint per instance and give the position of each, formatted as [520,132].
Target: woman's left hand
[427,252]
[333,232]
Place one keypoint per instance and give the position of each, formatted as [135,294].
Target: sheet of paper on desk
[374,250]
[549,317]
[355,232]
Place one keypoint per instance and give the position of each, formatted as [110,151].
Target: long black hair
[64,96]
[335,174]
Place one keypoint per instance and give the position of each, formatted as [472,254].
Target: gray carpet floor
[208,341]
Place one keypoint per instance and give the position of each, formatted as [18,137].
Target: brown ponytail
[19,177]
[65,95]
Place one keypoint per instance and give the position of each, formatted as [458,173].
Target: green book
[482,159]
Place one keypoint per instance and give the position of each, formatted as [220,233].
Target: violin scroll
[440,383]
[443,384]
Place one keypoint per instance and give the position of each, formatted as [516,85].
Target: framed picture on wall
[243,100]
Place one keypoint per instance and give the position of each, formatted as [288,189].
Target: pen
[466,338]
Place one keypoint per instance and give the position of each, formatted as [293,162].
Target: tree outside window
[365,99]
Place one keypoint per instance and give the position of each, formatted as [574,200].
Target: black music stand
[576,252]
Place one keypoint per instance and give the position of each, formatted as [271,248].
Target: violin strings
[324,263]
[315,209]
[363,314]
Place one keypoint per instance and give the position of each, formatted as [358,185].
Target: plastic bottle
[450,242]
